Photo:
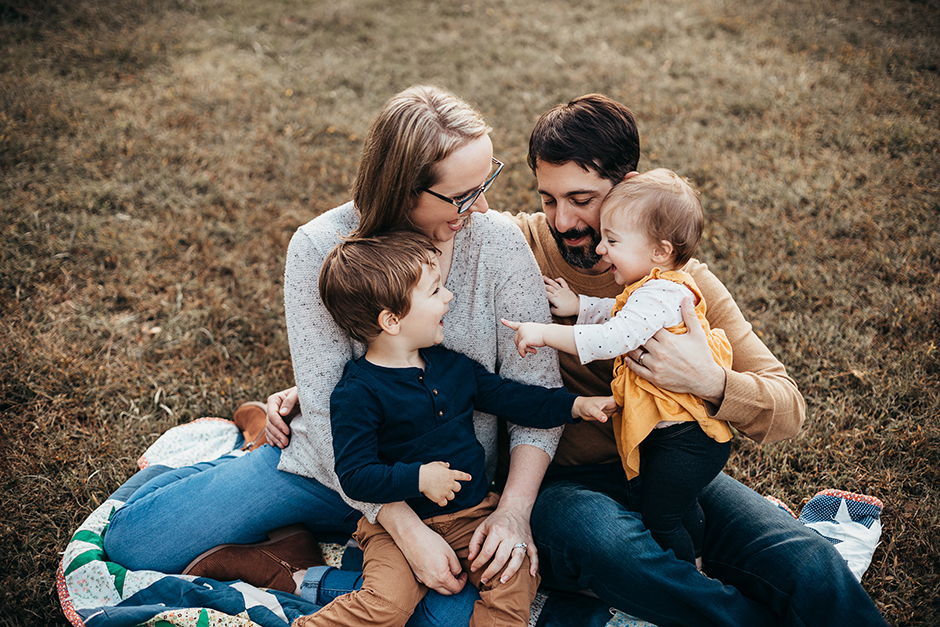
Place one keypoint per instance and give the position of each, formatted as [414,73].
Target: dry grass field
[156,156]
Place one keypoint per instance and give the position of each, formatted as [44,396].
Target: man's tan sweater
[760,400]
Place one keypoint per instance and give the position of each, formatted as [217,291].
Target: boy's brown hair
[664,206]
[362,276]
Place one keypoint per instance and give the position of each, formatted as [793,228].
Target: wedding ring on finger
[639,359]
[521,545]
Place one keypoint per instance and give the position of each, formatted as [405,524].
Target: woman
[426,163]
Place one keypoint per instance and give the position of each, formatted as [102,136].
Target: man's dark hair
[593,131]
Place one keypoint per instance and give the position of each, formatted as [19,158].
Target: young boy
[650,226]
[402,422]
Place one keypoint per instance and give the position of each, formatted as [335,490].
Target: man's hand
[681,363]
[439,483]
[597,408]
[562,301]
[282,408]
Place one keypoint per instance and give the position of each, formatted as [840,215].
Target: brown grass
[157,157]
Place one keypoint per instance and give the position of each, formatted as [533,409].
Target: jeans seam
[762,580]
[312,585]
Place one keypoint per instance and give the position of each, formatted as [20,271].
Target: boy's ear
[389,322]
[662,253]
[629,175]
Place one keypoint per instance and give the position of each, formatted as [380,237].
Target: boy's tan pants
[390,591]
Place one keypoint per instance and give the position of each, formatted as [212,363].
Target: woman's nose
[480,205]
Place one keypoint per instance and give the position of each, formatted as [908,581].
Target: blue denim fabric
[768,555]
[325,583]
[768,568]
[181,513]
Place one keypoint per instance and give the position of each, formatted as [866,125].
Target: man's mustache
[577,233]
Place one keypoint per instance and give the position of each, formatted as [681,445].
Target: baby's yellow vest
[643,404]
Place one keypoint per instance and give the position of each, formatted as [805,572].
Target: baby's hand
[529,335]
[439,483]
[562,301]
[597,408]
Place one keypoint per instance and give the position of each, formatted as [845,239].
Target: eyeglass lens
[465,203]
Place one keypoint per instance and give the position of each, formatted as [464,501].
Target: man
[767,567]
[763,567]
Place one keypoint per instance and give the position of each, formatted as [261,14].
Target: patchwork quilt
[95,592]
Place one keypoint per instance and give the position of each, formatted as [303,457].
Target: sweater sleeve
[356,418]
[520,295]
[760,400]
[527,405]
[319,350]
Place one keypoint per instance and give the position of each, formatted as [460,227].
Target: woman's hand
[282,408]
[494,539]
[681,363]
[561,299]
[432,560]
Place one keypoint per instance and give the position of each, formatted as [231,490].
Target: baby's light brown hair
[662,205]
[362,276]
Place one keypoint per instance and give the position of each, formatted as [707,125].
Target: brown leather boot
[269,564]
[251,418]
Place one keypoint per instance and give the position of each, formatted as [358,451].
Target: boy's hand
[597,408]
[439,483]
[529,335]
[562,301]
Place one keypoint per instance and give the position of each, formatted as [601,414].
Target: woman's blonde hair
[415,130]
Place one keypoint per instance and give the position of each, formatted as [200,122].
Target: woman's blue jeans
[768,568]
[183,512]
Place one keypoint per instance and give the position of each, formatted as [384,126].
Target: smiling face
[461,173]
[630,254]
[571,200]
[423,325]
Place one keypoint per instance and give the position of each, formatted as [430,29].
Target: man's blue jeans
[768,569]
[181,513]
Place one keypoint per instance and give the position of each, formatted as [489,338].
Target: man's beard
[584,256]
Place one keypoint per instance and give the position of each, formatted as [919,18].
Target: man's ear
[389,322]
[662,253]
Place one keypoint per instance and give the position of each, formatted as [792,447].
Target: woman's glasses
[466,201]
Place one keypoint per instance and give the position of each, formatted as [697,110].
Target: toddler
[650,226]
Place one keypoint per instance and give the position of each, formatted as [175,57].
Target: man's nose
[565,218]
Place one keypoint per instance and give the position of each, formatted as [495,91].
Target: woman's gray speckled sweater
[493,275]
